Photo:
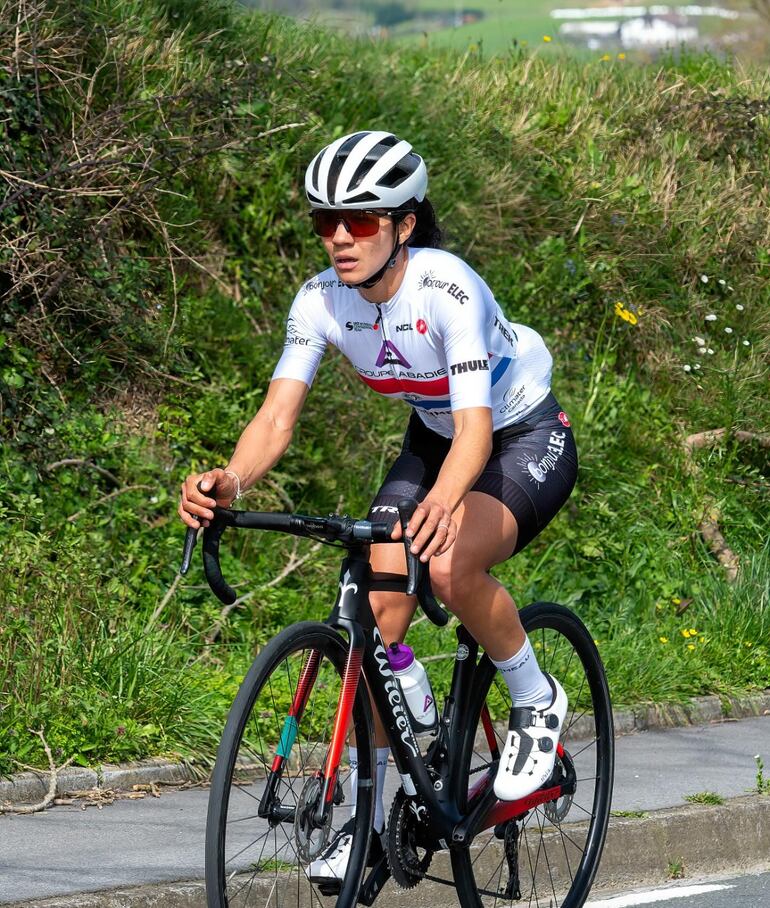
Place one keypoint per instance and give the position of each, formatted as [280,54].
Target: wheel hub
[311,838]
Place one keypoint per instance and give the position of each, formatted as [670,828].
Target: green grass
[592,199]
[705,797]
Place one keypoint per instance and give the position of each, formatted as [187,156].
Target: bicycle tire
[253,861]
[557,857]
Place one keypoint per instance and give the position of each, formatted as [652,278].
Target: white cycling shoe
[529,754]
[330,866]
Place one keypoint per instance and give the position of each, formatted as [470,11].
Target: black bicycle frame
[352,613]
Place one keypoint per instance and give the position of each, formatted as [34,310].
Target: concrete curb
[701,840]
[29,787]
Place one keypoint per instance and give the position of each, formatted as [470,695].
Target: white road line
[658,895]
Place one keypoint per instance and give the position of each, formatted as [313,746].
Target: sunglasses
[358,223]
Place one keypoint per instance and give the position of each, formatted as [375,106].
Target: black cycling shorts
[532,469]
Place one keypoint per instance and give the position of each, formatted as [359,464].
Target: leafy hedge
[153,234]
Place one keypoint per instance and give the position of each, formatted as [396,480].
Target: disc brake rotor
[557,811]
[310,838]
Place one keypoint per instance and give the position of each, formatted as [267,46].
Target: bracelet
[237,479]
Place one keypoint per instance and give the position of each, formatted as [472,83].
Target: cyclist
[488,451]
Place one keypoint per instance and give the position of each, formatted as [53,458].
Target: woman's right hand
[196,503]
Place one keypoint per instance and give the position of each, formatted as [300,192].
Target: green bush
[153,234]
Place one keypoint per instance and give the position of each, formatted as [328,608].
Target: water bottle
[415,688]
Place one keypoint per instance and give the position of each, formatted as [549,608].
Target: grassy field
[504,24]
[152,241]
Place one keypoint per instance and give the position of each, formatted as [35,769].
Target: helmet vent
[400,172]
[316,168]
[362,197]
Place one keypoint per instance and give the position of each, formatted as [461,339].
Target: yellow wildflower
[690,646]
[626,314]
[685,633]
[546,38]
[621,56]
[663,639]
[693,632]
[676,600]
[605,58]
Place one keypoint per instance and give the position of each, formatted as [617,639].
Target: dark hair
[426,234]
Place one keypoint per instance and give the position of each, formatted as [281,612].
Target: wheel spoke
[554,866]
[258,861]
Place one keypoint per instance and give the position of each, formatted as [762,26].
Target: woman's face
[357,258]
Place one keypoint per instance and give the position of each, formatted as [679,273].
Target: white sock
[353,760]
[379,806]
[382,754]
[526,682]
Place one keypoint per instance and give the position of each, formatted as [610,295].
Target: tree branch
[52,782]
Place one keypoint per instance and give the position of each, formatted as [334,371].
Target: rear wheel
[549,855]
[265,821]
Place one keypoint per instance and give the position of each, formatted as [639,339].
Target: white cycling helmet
[366,170]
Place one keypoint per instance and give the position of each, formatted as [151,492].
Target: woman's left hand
[431,529]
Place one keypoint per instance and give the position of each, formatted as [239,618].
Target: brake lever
[418,574]
[190,539]
[406,509]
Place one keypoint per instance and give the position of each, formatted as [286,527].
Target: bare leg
[486,535]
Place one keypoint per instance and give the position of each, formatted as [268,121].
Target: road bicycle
[279,785]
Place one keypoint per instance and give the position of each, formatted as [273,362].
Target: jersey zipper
[381,321]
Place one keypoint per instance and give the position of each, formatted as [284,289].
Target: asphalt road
[129,843]
[747,891]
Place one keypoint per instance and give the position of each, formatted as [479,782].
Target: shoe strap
[527,717]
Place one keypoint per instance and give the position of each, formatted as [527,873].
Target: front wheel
[547,856]
[266,821]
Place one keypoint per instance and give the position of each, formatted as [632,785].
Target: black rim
[254,860]
[559,845]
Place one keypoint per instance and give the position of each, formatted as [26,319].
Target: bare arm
[467,457]
[261,445]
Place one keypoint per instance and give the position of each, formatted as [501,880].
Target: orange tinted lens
[362,223]
[357,223]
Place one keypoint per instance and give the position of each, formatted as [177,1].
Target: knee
[392,612]
[452,581]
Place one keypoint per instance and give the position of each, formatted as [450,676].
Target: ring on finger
[446,527]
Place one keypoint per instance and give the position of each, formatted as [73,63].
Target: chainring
[408,856]
[310,838]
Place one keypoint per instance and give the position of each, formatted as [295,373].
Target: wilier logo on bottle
[393,692]
[539,469]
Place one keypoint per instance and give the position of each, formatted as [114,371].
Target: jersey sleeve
[305,340]
[464,330]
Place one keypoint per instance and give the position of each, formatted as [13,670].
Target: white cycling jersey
[441,343]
